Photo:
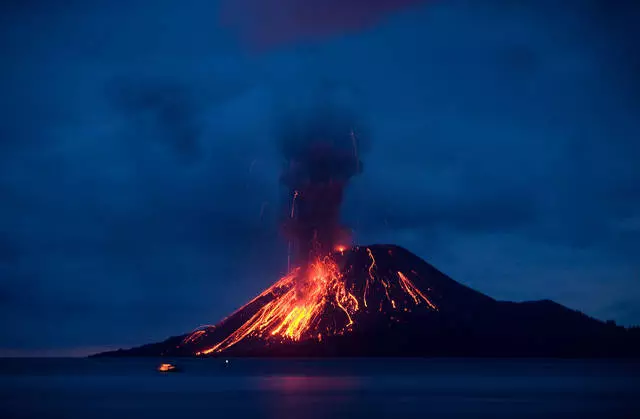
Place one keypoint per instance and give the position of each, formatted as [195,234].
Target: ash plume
[321,152]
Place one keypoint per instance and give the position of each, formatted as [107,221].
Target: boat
[168,368]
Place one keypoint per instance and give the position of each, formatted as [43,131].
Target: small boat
[168,368]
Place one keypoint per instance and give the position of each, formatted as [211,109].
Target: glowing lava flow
[292,316]
[366,286]
[317,302]
[412,290]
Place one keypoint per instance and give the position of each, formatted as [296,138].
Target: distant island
[383,300]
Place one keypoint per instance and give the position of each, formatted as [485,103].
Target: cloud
[404,206]
[273,22]
[139,166]
[165,111]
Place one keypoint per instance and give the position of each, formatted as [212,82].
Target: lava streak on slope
[413,310]
[329,305]
[328,293]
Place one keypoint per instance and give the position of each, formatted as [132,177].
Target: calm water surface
[288,388]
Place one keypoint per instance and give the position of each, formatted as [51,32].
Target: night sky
[139,192]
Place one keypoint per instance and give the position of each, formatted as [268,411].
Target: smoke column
[321,154]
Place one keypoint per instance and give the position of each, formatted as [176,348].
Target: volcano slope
[382,300]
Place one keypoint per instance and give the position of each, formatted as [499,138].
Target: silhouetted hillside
[385,301]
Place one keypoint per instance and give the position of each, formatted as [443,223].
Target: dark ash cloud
[322,151]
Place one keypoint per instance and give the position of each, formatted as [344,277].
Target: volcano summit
[383,300]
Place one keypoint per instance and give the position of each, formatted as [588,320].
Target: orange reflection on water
[301,383]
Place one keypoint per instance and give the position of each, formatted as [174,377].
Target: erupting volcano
[329,304]
[344,300]
[382,300]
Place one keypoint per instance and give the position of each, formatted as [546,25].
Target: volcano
[382,300]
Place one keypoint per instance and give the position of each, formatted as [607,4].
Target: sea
[311,388]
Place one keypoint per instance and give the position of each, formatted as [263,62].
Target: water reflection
[294,396]
[310,389]
[301,383]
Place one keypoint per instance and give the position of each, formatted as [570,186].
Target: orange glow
[166,367]
[412,290]
[193,336]
[341,248]
[366,285]
[317,302]
[290,316]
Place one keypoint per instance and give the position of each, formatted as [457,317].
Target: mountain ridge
[383,300]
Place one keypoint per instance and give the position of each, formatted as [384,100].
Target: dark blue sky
[139,165]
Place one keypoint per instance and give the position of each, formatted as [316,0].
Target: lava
[326,305]
[412,290]
[314,300]
[366,287]
[292,316]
